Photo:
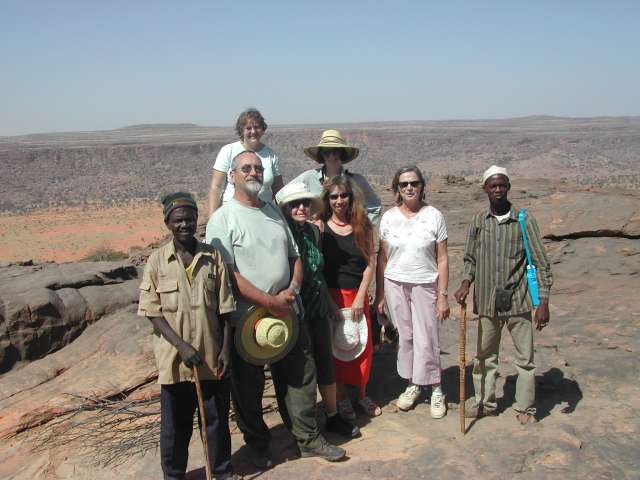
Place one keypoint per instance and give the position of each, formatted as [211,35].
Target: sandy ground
[70,234]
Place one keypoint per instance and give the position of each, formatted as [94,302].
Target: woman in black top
[348,249]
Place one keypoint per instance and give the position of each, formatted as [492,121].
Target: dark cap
[177,200]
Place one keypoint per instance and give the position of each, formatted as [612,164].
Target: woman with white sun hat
[295,201]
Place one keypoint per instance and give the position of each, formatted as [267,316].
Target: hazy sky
[89,64]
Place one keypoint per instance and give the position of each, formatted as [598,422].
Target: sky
[93,65]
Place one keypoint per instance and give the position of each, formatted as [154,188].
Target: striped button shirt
[495,257]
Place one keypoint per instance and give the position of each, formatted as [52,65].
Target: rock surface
[588,392]
[45,307]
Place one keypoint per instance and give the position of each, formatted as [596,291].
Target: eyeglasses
[414,184]
[246,168]
[343,195]
[305,202]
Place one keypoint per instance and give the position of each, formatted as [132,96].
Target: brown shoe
[478,411]
[525,418]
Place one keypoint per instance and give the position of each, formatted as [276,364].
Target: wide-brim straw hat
[293,191]
[331,139]
[262,338]
[349,338]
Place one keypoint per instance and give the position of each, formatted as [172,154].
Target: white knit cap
[493,170]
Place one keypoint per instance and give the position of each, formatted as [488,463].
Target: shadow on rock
[282,448]
[552,388]
[451,383]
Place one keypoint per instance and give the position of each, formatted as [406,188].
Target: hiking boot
[408,398]
[438,405]
[325,450]
[345,408]
[478,411]
[339,425]
[258,458]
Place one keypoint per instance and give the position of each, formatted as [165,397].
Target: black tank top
[343,262]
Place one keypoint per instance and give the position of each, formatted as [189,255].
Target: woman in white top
[412,280]
[250,127]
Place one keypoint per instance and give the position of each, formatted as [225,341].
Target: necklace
[338,223]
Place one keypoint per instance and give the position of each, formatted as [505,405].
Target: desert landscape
[78,397]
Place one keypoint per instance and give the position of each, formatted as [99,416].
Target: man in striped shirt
[495,259]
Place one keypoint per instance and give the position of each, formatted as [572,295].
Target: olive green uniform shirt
[494,257]
[192,309]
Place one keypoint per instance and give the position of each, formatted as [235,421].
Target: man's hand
[462,292]
[224,363]
[442,308]
[542,314]
[280,305]
[188,354]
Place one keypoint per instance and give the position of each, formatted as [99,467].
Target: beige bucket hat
[331,139]
[262,338]
[349,338]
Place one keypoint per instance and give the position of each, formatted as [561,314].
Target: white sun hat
[293,191]
[349,338]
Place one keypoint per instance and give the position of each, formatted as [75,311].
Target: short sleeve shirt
[257,241]
[270,162]
[192,309]
[411,244]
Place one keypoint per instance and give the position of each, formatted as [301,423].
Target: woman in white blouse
[250,127]
[412,280]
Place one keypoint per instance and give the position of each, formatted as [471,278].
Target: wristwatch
[444,292]
[295,287]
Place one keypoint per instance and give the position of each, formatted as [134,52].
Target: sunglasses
[305,202]
[328,151]
[414,184]
[343,195]
[247,168]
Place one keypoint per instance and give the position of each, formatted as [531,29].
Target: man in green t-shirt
[261,254]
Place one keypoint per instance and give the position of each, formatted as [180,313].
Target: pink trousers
[413,311]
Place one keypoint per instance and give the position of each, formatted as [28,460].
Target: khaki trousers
[485,365]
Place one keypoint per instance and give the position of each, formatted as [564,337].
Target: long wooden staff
[463,342]
[203,424]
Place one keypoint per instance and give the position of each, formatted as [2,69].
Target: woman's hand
[442,307]
[357,308]
[335,314]
[379,303]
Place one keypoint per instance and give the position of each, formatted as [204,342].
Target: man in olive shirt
[186,293]
[495,259]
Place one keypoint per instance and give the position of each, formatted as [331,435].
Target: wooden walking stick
[463,363]
[203,423]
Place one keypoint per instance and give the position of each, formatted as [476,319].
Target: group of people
[283,278]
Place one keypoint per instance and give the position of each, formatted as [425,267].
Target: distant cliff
[143,161]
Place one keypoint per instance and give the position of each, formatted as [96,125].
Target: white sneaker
[408,398]
[438,405]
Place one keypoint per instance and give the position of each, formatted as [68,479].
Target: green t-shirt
[257,241]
